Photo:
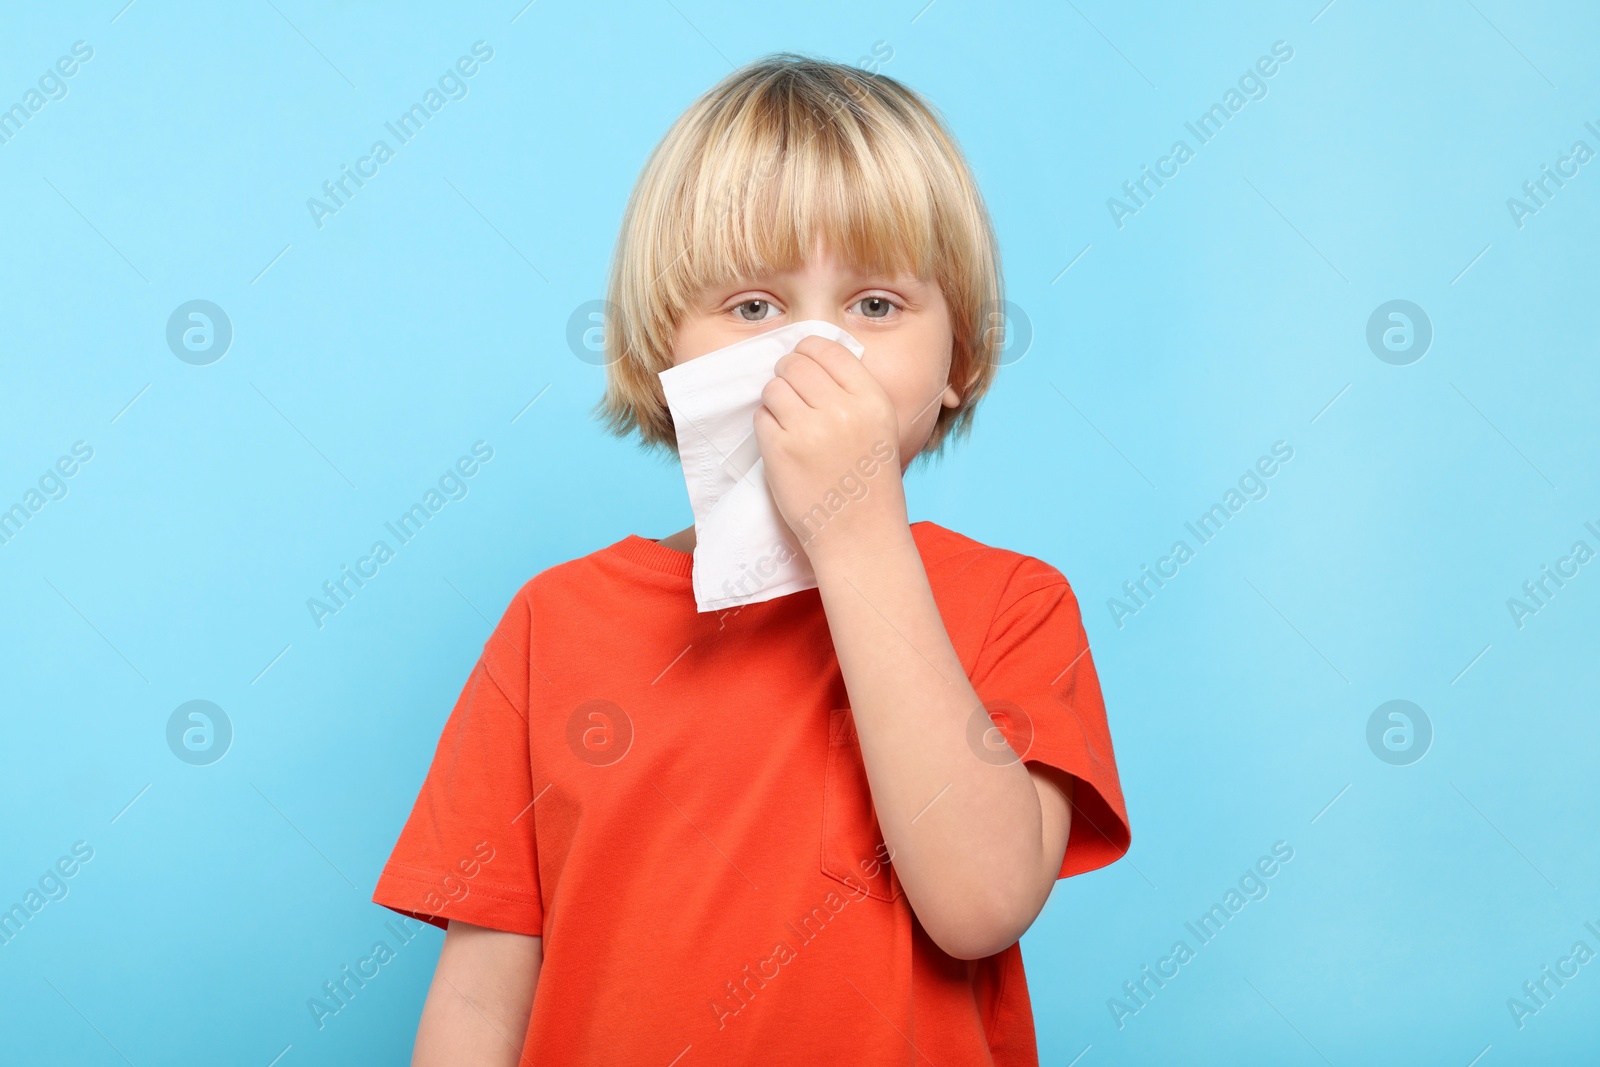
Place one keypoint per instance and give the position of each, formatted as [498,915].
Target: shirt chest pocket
[853,849]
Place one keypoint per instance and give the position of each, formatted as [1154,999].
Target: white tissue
[744,552]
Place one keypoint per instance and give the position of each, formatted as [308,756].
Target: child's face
[901,321]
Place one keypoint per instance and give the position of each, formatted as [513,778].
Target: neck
[683,540]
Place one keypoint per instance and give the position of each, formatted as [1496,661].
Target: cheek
[913,392]
[921,371]
[686,343]
[698,333]
[698,337]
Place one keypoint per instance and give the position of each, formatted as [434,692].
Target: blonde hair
[784,151]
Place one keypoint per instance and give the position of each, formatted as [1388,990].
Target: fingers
[817,366]
[808,379]
[841,363]
[781,402]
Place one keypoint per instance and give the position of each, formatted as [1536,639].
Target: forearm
[965,834]
[477,1007]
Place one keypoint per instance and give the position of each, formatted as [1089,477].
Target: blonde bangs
[780,155]
[781,180]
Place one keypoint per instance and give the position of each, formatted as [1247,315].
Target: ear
[950,398]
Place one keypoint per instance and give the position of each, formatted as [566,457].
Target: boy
[810,829]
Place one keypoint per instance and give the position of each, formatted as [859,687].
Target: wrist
[866,546]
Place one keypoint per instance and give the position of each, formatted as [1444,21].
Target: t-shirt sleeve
[1037,680]
[467,851]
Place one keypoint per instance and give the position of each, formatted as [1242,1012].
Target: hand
[830,437]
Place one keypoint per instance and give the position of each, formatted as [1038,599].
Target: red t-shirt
[676,803]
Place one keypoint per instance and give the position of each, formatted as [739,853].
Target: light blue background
[1224,316]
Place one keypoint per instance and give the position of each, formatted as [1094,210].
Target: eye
[876,307]
[753,310]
